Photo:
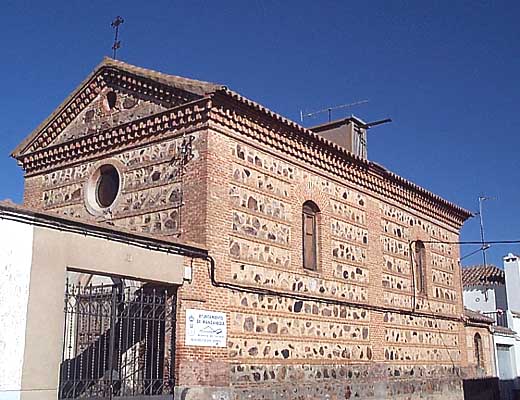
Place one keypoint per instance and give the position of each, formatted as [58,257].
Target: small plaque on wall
[205,328]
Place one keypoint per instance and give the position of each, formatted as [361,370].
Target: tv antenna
[117,43]
[484,246]
[330,109]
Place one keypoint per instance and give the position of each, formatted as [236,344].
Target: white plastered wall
[34,263]
[15,272]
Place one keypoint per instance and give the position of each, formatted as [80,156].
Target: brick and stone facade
[479,345]
[200,162]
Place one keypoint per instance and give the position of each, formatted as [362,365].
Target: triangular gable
[138,91]
[101,114]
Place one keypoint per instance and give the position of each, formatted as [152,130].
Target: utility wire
[190,251]
[473,252]
[471,242]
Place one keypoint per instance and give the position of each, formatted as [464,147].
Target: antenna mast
[330,109]
[117,43]
[484,246]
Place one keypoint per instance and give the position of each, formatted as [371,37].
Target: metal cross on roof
[117,43]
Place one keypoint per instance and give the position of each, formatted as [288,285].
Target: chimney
[512,271]
[350,133]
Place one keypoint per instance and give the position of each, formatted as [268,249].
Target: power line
[484,246]
[470,242]
[474,252]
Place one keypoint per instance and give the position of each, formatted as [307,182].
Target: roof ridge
[204,88]
[368,163]
[482,266]
[154,74]
[198,87]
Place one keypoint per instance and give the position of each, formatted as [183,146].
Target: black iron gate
[118,342]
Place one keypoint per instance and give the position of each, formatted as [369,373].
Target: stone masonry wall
[290,348]
[151,193]
[473,369]
[327,333]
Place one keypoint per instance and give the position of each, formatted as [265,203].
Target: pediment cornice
[167,90]
[209,105]
[184,118]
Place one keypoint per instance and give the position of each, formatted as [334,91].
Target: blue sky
[446,72]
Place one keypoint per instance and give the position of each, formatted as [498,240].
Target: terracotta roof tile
[192,85]
[476,316]
[482,275]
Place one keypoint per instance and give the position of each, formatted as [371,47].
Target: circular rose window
[103,189]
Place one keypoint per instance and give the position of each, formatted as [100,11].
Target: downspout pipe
[306,297]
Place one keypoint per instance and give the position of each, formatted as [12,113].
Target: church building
[307,271]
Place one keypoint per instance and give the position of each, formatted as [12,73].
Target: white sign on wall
[205,328]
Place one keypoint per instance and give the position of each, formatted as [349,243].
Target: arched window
[477,343]
[310,233]
[111,99]
[420,270]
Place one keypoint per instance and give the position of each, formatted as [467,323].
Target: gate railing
[118,342]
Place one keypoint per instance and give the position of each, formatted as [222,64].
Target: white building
[495,293]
